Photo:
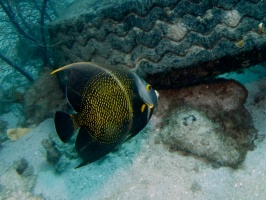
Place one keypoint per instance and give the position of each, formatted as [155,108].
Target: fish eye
[148,87]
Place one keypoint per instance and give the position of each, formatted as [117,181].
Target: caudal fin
[64,126]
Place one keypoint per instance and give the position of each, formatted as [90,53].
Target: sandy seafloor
[140,169]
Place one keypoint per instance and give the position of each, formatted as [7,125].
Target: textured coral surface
[179,41]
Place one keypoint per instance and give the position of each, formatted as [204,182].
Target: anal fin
[90,149]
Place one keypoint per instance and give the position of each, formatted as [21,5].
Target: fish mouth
[157,93]
[152,105]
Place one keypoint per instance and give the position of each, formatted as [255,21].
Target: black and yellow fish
[112,105]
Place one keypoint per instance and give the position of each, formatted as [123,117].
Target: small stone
[16,133]
[22,166]
[52,153]
[195,186]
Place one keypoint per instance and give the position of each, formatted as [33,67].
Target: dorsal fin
[75,66]
[80,75]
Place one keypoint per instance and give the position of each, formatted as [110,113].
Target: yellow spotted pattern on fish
[111,106]
[107,107]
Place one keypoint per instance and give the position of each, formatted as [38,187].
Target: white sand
[142,169]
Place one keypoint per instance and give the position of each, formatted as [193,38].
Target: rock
[61,156]
[260,100]
[16,133]
[52,153]
[22,168]
[260,96]
[208,121]
[43,98]
[170,42]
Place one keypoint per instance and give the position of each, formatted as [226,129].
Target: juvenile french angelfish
[111,106]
